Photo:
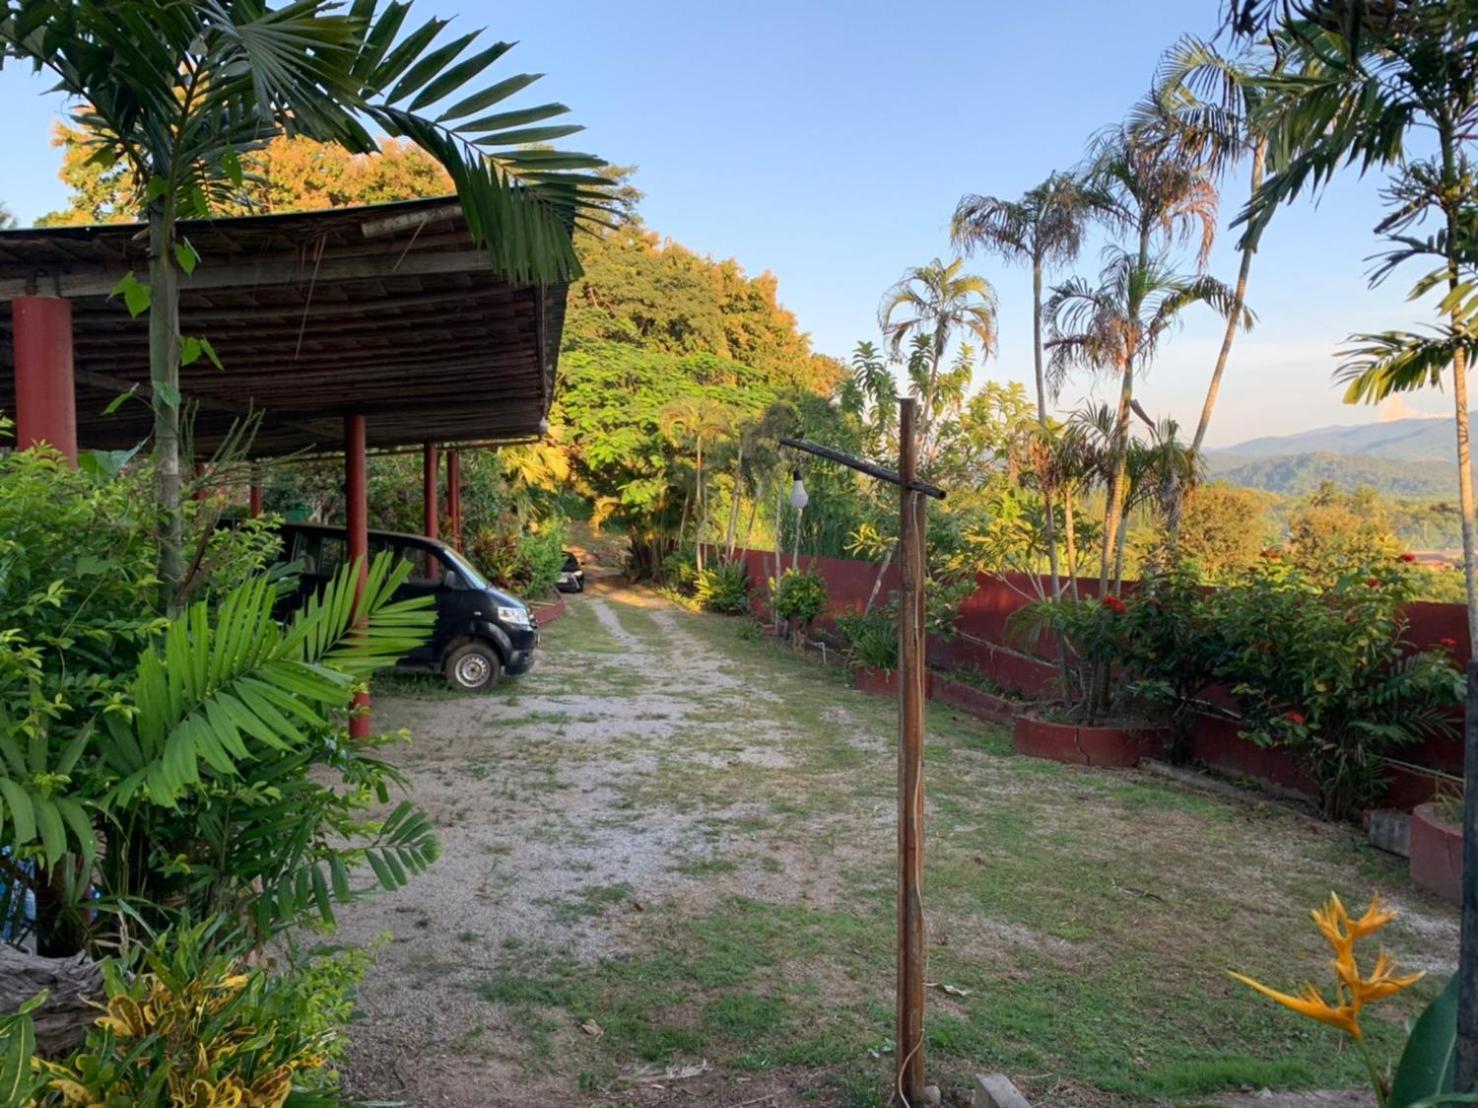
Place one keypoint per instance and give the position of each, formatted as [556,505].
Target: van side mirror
[451,580]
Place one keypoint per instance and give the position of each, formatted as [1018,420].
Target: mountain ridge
[1410,440]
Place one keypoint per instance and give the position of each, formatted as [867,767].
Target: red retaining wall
[982,643]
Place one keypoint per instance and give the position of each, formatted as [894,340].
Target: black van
[480,631]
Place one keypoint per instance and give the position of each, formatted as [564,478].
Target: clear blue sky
[829,141]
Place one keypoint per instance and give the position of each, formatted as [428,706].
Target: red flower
[1114,604]
[1447,642]
[1373,583]
[1294,716]
[1408,558]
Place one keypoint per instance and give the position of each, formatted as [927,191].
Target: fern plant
[195,786]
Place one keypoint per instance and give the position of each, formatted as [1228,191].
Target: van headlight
[518,617]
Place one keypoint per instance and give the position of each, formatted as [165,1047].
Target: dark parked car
[480,633]
[571,576]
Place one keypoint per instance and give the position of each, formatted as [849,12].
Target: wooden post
[908,1049]
[430,497]
[1466,1077]
[254,493]
[356,527]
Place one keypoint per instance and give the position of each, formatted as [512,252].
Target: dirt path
[666,879]
[531,789]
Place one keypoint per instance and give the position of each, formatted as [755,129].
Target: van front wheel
[473,667]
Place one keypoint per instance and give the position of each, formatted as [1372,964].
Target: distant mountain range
[1407,440]
[1403,457]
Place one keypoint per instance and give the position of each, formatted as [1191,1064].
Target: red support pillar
[356,524]
[454,494]
[45,393]
[429,492]
[254,494]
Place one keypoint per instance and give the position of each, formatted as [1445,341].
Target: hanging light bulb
[798,497]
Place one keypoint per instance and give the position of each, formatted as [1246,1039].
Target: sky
[828,142]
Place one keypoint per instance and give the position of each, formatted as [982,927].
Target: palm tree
[937,300]
[1116,327]
[177,93]
[1043,229]
[1362,96]
[1140,184]
[1213,109]
[696,420]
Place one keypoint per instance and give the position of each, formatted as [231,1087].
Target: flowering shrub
[1097,637]
[1328,674]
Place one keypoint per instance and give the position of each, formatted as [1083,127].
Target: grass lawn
[683,835]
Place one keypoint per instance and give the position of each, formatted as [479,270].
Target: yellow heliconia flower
[1352,989]
[1382,981]
[1311,1003]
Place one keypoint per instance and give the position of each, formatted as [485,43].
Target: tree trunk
[1047,497]
[1070,537]
[1119,551]
[164,380]
[877,581]
[698,525]
[1113,505]
[731,535]
[74,986]
[1465,487]
[754,509]
[1234,322]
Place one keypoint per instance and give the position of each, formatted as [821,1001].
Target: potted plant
[1437,846]
[1097,722]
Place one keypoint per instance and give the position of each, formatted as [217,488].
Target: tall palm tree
[177,93]
[1115,327]
[697,420]
[1043,229]
[938,300]
[1400,93]
[1141,185]
[1213,109]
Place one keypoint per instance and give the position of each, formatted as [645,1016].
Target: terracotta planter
[1120,747]
[548,613]
[973,701]
[884,682]
[1436,854]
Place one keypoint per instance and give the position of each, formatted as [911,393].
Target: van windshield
[464,568]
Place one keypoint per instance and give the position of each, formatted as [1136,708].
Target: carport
[344,331]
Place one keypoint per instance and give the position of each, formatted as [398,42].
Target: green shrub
[196,1025]
[679,568]
[543,555]
[724,588]
[527,563]
[800,598]
[1328,674]
[872,639]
